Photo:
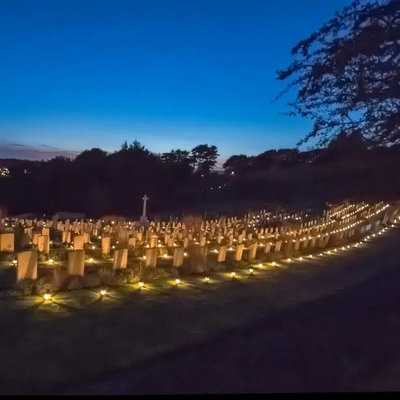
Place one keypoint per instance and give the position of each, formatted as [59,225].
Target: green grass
[80,334]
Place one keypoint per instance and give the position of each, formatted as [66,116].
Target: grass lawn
[79,334]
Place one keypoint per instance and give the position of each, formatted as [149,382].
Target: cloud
[17,145]
[33,152]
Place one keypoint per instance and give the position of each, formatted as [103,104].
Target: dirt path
[346,341]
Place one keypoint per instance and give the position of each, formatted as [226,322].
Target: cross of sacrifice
[144,198]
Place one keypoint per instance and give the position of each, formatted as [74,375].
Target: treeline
[98,183]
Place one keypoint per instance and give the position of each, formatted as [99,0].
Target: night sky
[77,74]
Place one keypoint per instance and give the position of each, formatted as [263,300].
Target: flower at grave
[141,284]
[47,296]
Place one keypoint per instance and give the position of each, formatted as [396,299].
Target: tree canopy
[98,183]
[204,157]
[347,75]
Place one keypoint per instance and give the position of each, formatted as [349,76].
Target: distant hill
[11,162]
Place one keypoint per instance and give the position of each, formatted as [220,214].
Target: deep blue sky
[77,74]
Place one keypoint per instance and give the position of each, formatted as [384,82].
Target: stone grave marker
[66,236]
[252,251]
[179,254]
[106,245]
[267,247]
[222,254]
[132,242]
[86,238]
[43,244]
[27,265]
[151,257]
[120,258]
[239,252]
[78,242]
[7,242]
[76,262]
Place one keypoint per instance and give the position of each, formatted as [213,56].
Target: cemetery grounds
[80,334]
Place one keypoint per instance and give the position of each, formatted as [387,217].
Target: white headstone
[7,242]
[120,258]
[27,265]
[76,262]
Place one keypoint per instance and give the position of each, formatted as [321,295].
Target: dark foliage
[347,74]
[97,183]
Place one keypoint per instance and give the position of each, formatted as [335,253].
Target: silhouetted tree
[176,156]
[237,164]
[98,183]
[265,160]
[204,157]
[347,74]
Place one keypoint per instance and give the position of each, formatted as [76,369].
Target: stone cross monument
[143,218]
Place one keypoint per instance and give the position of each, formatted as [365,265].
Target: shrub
[59,255]
[107,277]
[91,280]
[6,256]
[174,272]
[134,272]
[60,279]
[42,257]
[217,267]
[121,277]
[242,263]
[45,285]
[26,286]
[137,267]
[151,274]
[135,252]
[75,282]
